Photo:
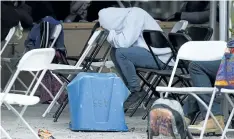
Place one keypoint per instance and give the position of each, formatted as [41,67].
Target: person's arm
[131,32]
[196,17]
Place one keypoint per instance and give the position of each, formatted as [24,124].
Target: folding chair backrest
[97,25]
[202,50]
[178,39]
[157,39]
[7,39]
[36,59]
[193,33]
[181,25]
[55,34]
[200,33]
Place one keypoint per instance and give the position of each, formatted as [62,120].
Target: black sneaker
[132,100]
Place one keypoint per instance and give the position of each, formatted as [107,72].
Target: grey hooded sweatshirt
[126,26]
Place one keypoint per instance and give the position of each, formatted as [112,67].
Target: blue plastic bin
[96,102]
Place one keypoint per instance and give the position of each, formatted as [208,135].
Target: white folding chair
[53,38]
[34,60]
[91,43]
[50,43]
[197,51]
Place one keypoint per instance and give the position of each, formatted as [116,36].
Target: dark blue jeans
[126,59]
[203,74]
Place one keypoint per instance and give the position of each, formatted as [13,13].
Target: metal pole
[223,25]
[213,14]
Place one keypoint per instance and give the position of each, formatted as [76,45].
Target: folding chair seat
[197,51]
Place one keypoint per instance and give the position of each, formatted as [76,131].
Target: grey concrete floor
[60,129]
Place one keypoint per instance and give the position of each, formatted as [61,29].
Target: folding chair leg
[230,117]
[22,83]
[195,118]
[208,114]
[5,133]
[228,124]
[146,113]
[135,109]
[34,90]
[54,100]
[22,119]
[61,110]
[60,106]
[148,100]
[48,91]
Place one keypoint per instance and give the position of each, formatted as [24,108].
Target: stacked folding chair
[197,51]
[92,47]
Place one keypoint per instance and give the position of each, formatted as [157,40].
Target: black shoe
[132,100]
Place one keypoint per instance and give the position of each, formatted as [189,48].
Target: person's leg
[126,59]
[203,74]
[117,67]
[190,108]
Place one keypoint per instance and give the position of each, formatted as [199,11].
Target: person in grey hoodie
[129,49]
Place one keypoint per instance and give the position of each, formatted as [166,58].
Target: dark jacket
[196,12]
[9,19]
[33,40]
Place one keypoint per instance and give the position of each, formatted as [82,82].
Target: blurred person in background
[195,12]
